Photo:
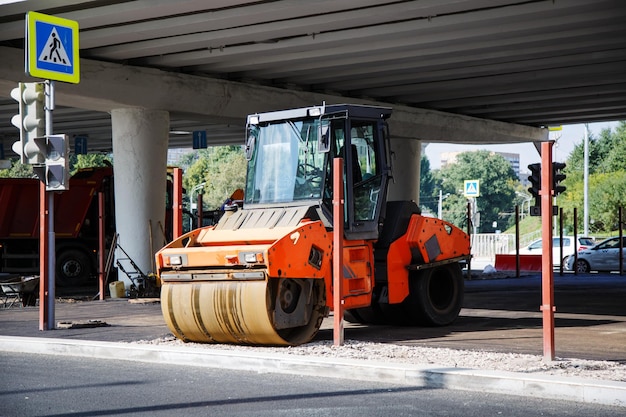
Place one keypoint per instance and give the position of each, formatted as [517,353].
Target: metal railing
[486,245]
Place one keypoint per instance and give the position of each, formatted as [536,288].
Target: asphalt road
[42,385]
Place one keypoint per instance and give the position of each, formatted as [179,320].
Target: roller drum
[268,312]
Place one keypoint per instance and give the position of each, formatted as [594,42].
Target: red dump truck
[76,225]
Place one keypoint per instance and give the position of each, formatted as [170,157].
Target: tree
[607,194]
[615,149]
[497,189]
[607,180]
[607,153]
[429,191]
[222,170]
[89,161]
[17,170]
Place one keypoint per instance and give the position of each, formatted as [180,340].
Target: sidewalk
[120,329]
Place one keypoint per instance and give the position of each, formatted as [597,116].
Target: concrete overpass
[465,71]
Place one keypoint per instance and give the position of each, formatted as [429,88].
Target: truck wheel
[436,296]
[73,268]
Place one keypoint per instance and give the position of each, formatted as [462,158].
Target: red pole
[621,241]
[101,244]
[547,273]
[575,239]
[469,233]
[44,275]
[517,265]
[338,203]
[561,241]
[177,222]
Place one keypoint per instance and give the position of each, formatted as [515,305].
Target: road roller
[263,274]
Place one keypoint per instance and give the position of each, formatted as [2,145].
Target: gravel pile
[439,357]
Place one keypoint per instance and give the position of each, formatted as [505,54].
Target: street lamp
[193,205]
[440,205]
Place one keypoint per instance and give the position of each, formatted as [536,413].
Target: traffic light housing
[57,163]
[557,177]
[31,122]
[535,187]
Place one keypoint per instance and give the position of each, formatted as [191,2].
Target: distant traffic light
[535,187]
[557,177]
[535,179]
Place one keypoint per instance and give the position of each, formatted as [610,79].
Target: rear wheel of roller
[436,296]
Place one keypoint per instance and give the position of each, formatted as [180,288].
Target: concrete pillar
[405,160]
[140,141]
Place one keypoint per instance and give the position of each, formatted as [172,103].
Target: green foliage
[89,161]
[221,169]
[527,225]
[607,181]
[17,170]
[497,189]
[607,192]
[429,189]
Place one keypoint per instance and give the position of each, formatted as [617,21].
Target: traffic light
[57,163]
[535,179]
[31,122]
[557,177]
[535,187]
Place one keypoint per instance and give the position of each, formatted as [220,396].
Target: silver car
[535,247]
[601,257]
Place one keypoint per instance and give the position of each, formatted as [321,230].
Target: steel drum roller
[244,312]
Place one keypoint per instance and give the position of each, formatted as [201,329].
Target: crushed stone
[431,356]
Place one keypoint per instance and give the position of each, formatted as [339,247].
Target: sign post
[52,54]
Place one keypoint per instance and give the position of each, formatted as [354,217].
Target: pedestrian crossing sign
[52,48]
[471,188]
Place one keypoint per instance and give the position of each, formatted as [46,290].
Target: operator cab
[291,154]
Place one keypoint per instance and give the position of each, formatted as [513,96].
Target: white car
[568,247]
[602,257]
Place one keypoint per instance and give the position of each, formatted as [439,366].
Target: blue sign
[199,139]
[52,48]
[80,145]
[471,188]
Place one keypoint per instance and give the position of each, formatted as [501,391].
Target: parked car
[601,257]
[534,248]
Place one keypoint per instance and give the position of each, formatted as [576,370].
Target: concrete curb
[571,389]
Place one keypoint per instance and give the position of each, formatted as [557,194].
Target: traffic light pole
[43,258]
[47,259]
[547,272]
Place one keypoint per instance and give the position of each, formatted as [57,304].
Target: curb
[538,386]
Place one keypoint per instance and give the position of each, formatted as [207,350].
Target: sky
[570,136]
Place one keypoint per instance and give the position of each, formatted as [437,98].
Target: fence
[486,245]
